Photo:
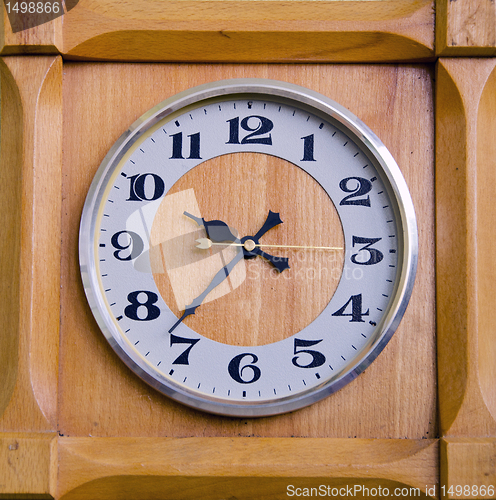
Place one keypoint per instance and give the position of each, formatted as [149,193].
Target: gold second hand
[205,243]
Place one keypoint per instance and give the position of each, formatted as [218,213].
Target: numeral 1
[308,148]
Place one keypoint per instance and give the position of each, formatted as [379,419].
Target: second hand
[249,245]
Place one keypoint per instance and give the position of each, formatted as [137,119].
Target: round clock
[248,247]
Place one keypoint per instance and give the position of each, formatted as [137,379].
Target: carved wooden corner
[465,28]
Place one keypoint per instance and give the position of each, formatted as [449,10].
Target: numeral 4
[354,306]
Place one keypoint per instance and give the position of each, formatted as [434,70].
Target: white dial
[153,260]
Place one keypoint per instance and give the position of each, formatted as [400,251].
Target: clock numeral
[136,308]
[236,371]
[257,125]
[318,359]
[359,188]
[308,148]
[375,256]
[356,309]
[134,245]
[177,146]
[182,359]
[146,187]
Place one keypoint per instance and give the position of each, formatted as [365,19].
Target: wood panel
[242,468]
[468,467]
[137,453]
[98,394]
[28,465]
[465,28]
[30,252]
[235,31]
[465,180]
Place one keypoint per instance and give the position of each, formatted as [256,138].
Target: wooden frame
[463,449]
[234,31]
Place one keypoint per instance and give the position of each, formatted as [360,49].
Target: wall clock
[422,415]
[248,247]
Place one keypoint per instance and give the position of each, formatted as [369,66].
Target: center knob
[249,245]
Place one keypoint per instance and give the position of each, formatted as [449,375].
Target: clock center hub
[249,245]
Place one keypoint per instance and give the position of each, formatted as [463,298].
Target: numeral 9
[134,245]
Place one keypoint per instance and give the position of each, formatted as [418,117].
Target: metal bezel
[319,104]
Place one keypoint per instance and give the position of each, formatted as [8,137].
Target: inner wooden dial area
[255,304]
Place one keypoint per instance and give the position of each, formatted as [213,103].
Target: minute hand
[216,281]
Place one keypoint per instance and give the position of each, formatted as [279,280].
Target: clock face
[248,247]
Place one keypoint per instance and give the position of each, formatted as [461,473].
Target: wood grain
[470,462]
[235,31]
[28,465]
[43,39]
[394,398]
[465,28]
[30,251]
[465,162]
[243,468]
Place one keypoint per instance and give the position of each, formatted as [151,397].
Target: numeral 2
[360,188]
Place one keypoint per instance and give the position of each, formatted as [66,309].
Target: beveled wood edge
[28,465]
[86,464]
[37,81]
[10,244]
[467,461]
[465,407]
[465,29]
[402,32]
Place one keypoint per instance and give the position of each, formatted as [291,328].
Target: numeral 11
[194,146]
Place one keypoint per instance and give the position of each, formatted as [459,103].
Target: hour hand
[217,230]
